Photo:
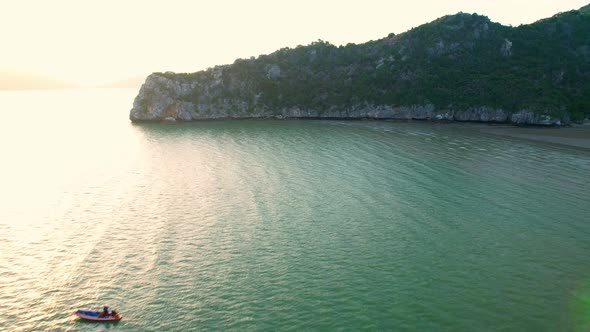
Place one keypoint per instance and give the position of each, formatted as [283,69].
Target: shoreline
[577,136]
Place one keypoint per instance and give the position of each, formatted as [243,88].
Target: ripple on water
[303,225]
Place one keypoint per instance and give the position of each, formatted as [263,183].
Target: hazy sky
[91,42]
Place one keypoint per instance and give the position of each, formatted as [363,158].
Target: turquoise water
[284,225]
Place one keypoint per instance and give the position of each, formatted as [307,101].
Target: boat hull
[93,315]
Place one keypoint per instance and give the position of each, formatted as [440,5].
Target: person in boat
[104,313]
[114,313]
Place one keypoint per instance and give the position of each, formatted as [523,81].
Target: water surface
[284,225]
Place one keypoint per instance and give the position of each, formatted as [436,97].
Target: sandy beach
[575,136]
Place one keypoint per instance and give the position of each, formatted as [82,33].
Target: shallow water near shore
[575,136]
[284,225]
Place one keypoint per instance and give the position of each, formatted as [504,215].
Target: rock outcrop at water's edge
[460,67]
[162,99]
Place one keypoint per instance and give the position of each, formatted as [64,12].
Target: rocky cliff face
[457,68]
[163,99]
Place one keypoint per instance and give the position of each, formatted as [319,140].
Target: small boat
[93,315]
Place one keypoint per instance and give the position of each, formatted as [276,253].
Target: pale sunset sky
[94,42]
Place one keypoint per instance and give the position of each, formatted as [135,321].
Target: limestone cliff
[458,68]
[164,99]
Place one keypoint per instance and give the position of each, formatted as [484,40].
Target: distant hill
[134,82]
[460,67]
[20,80]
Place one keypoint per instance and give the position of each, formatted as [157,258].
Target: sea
[293,225]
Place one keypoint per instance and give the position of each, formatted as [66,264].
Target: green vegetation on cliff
[455,62]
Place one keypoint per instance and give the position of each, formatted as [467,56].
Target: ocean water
[284,225]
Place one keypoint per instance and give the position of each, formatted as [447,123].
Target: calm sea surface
[284,225]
